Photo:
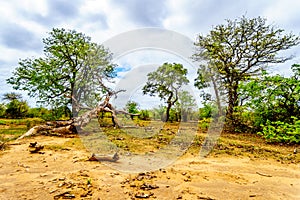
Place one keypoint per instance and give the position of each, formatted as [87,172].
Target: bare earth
[66,173]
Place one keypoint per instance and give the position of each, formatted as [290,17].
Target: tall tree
[185,104]
[207,77]
[241,49]
[72,69]
[166,81]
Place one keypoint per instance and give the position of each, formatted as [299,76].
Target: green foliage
[241,49]
[158,113]
[281,131]
[144,115]
[204,124]
[16,109]
[17,122]
[72,69]
[185,106]
[244,120]
[2,110]
[166,82]
[207,111]
[132,107]
[17,127]
[175,115]
[272,98]
[37,112]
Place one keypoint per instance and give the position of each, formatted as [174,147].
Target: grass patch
[152,136]
[72,143]
[10,122]
[11,129]
[149,136]
[253,146]
[12,133]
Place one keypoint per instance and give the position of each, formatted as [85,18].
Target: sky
[24,23]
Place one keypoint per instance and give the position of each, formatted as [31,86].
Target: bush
[2,110]
[209,110]
[281,131]
[144,115]
[16,109]
[204,124]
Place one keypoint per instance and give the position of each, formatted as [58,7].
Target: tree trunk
[77,123]
[218,100]
[232,103]
[168,112]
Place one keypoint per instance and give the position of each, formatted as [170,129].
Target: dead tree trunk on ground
[69,127]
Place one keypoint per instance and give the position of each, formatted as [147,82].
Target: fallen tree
[72,126]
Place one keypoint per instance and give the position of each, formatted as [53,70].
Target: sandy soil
[65,173]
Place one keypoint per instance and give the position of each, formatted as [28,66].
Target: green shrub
[204,124]
[144,115]
[281,131]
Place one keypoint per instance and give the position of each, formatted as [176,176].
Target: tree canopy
[166,82]
[12,96]
[72,68]
[240,49]
[273,97]
[16,106]
[185,104]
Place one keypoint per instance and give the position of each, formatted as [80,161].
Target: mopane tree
[166,82]
[73,72]
[72,69]
[240,49]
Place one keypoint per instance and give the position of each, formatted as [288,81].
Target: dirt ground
[65,173]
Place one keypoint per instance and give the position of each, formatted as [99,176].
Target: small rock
[295,151]
[65,195]
[52,191]
[147,186]
[61,184]
[141,195]
[43,175]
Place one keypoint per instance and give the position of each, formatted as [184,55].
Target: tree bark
[218,100]
[77,123]
[232,103]
[168,112]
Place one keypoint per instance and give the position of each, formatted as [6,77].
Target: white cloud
[23,24]
[284,13]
